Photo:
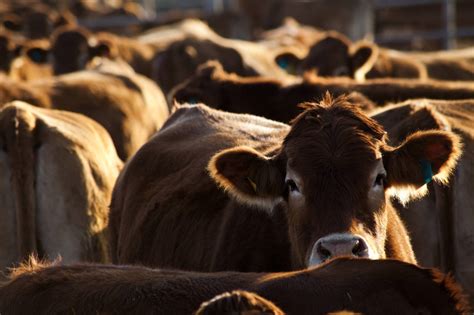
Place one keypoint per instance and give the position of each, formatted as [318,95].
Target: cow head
[334,173]
[181,60]
[201,87]
[335,55]
[73,48]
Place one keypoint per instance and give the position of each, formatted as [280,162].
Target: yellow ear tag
[254,186]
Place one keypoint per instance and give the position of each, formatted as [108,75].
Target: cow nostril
[323,252]
[360,249]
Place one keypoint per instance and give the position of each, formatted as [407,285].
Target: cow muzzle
[338,245]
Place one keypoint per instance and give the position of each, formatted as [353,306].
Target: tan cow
[57,173]
[131,107]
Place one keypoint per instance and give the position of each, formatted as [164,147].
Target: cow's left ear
[422,157]
[288,61]
[363,58]
[248,175]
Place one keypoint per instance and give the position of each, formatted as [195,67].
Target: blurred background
[400,24]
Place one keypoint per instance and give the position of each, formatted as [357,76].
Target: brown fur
[277,100]
[440,223]
[73,47]
[32,63]
[363,286]
[333,145]
[34,141]
[128,105]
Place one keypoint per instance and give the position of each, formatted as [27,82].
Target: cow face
[70,50]
[334,172]
[181,60]
[201,88]
[73,48]
[335,56]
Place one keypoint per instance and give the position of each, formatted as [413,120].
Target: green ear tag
[426,171]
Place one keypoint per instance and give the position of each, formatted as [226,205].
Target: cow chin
[340,245]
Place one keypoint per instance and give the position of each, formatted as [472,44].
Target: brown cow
[131,107]
[181,59]
[360,285]
[72,48]
[291,198]
[276,99]
[441,224]
[336,55]
[58,170]
[35,20]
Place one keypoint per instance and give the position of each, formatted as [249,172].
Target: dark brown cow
[300,194]
[440,225]
[277,100]
[131,107]
[73,48]
[360,285]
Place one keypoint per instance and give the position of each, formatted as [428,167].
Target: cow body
[128,105]
[184,163]
[277,99]
[368,287]
[251,231]
[58,172]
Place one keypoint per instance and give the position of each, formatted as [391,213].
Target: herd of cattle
[180,172]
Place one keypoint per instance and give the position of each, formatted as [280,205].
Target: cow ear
[422,157]
[363,58]
[101,49]
[38,55]
[288,61]
[248,175]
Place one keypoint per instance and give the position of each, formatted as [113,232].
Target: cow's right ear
[248,175]
[38,55]
[422,157]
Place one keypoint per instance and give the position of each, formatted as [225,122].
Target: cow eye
[380,179]
[291,185]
